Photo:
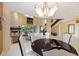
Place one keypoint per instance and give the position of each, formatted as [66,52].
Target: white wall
[14,20]
[6,28]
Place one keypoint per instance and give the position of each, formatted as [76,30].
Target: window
[71,28]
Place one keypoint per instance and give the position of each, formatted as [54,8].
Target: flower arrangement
[27,28]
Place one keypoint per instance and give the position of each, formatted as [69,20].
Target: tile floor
[15,50]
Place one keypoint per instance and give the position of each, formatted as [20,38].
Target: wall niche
[29,20]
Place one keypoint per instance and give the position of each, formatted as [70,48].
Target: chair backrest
[22,42]
[33,37]
[47,35]
[66,37]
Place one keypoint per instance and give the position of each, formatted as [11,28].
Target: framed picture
[71,28]
[29,20]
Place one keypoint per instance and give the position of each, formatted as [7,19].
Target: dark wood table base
[41,45]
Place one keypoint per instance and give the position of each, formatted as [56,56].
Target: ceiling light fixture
[45,11]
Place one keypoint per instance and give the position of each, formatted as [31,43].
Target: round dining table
[41,45]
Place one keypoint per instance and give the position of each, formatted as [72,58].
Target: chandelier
[45,11]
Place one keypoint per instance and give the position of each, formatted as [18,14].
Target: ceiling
[66,10]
